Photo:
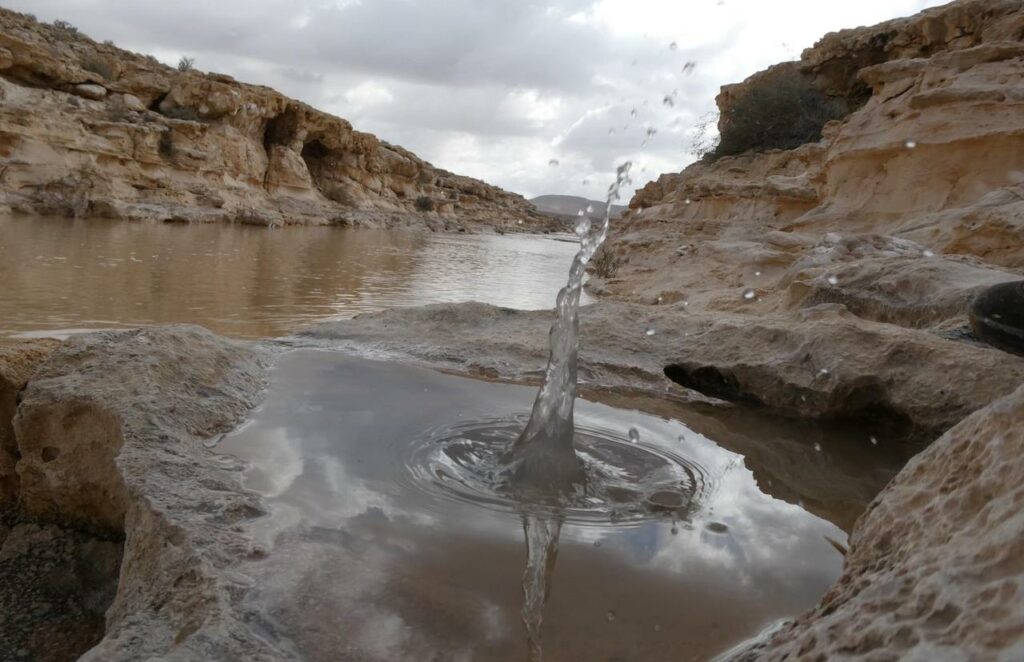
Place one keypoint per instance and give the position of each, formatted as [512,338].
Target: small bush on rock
[423,203]
[186,63]
[64,26]
[605,264]
[781,111]
[98,64]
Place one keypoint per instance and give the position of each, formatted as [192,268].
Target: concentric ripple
[626,482]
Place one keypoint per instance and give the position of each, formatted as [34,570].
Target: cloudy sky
[538,97]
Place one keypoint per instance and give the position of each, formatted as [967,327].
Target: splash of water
[541,533]
[543,456]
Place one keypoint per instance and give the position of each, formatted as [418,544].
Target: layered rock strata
[88,129]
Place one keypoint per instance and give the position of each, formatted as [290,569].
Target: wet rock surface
[89,129]
[934,567]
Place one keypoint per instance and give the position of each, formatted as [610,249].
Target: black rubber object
[997,316]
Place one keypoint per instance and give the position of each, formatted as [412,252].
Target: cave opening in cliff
[314,155]
[280,130]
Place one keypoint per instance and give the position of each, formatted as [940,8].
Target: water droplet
[634,435]
[824,371]
[585,182]
[580,213]
[911,144]
[688,201]
[749,294]
[673,46]
[832,280]
[611,132]
[689,67]
[757,273]
[553,162]
[520,221]
[633,113]
[590,209]
[597,543]
[817,447]
[610,615]
[650,332]
[660,298]
[675,532]
[716,527]
[928,253]
[874,441]
[651,131]
[669,101]
[686,304]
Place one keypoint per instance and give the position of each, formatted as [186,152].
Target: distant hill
[569,206]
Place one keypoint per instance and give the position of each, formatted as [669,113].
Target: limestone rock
[149,135]
[110,431]
[133,103]
[17,362]
[90,91]
[902,212]
[934,567]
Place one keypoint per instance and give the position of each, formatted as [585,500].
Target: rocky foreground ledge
[108,454]
[89,129]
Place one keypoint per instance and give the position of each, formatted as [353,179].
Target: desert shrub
[186,63]
[98,64]
[605,263]
[64,26]
[423,203]
[108,42]
[780,111]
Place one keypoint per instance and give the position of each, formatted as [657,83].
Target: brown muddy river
[60,275]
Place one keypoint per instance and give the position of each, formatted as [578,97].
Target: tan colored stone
[133,103]
[17,362]
[90,91]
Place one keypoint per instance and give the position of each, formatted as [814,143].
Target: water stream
[544,456]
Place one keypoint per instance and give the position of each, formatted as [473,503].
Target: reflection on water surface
[365,562]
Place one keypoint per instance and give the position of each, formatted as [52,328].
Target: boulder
[90,91]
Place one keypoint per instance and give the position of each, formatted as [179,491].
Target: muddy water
[62,275]
[369,559]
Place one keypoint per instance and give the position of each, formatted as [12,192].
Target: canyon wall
[88,129]
[903,210]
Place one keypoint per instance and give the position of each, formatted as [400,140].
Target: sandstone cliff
[894,220]
[900,213]
[90,129]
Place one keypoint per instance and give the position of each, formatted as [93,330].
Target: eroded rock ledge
[935,565]
[110,432]
[902,212]
[829,364]
[90,129]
